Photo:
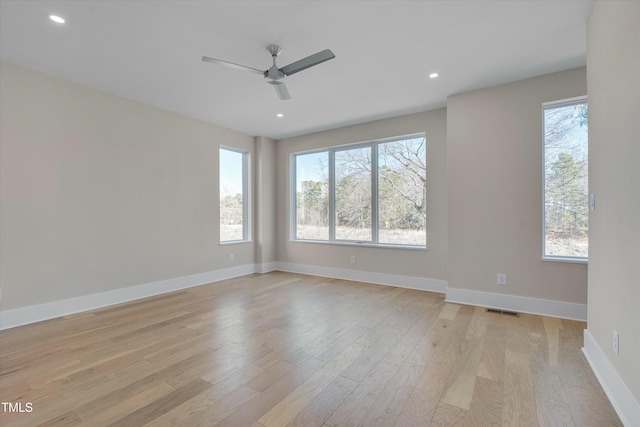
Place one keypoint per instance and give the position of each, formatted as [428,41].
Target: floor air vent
[505,312]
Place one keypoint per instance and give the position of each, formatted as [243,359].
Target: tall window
[234,193]
[372,193]
[566,198]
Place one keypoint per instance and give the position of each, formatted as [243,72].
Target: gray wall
[614,177]
[265,197]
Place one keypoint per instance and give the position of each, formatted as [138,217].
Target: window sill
[363,244]
[235,242]
[569,260]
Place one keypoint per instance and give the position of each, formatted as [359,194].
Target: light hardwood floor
[283,349]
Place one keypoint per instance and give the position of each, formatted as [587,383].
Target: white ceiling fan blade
[309,61]
[232,65]
[283,93]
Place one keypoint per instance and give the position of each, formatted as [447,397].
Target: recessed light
[57,19]
[279,115]
[433,75]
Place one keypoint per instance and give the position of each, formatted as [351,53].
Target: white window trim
[374,194]
[545,106]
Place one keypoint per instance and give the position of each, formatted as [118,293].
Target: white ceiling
[150,51]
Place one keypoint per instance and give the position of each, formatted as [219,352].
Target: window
[234,195]
[566,198]
[312,196]
[353,194]
[402,189]
[370,193]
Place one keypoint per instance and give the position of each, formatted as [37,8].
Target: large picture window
[370,193]
[566,198]
[234,195]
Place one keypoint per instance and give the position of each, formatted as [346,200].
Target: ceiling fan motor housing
[273,75]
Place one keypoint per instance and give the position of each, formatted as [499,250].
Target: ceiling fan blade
[307,62]
[283,93]
[232,65]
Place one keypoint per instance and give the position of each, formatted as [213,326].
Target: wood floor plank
[573,366]
[486,405]
[263,402]
[370,357]
[552,328]
[359,403]
[213,411]
[213,404]
[270,375]
[283,349]
[519,408]
[321,408]
[160,406]
[428,392]
[449,311]
[66,419]
[128,406]
[590,410]
[14,392]
[336,346]
[289,407]
[440,335]
[387,407]
[463,376]
[448,416]
[421,325]
[491,364]
[553,413]
[547,382]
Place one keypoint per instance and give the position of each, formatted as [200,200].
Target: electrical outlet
[616,342]
[231,258]
[353,259]
[502,279]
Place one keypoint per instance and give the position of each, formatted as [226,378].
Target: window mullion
[245,196]
[374,193]
[332,196]
[293,209]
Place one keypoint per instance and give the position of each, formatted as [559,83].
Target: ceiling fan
[274,75]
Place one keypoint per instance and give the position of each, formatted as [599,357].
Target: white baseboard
[50,310]
[266,267]
[543,307]
[37,313]
[408,282]
[40,312]
[627,407]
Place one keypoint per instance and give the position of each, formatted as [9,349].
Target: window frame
[547,106]
[374,242]
[246,199]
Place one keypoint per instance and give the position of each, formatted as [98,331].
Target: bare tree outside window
[402,191]
[566,197]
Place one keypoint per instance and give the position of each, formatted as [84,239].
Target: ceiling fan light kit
[274,75]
